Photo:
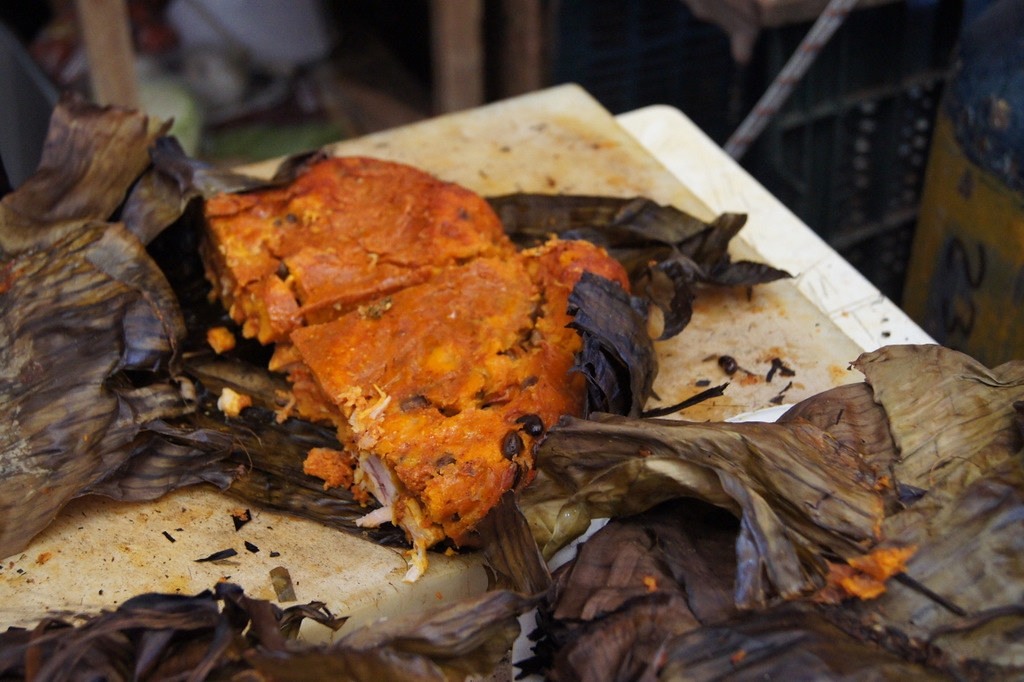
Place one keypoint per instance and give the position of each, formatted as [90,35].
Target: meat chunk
[439,363]
[347,230]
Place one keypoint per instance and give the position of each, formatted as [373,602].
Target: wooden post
[523,65]
[106,33]
[457,53]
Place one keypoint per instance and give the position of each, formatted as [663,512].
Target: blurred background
[247,80]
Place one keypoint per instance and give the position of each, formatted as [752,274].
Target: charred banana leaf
[937,441]
[89,330]
[618,357]
[265,454]
[226,635]
[650,597]
[90,158]
[798,493]
[665,251]
[98,393]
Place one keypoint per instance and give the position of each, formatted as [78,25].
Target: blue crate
[633,54]
[847,152]
[25,107]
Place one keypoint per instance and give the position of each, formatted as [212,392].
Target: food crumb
[281,579]
[221,339]
[738,656]
[864,577]
[650,583]
[728,364]
[375,310]
[219,556]
[335,467]
[232,403]
[240,517]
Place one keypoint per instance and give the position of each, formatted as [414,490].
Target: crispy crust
[347,230]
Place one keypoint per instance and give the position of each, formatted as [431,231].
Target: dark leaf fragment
[665,251]
[219,555]
[798,492]
[281,579]
[618,357]
[157,637]
[789,643]
[240,517]
[696,399]
[928,422]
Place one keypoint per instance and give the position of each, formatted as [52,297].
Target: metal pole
[830,19]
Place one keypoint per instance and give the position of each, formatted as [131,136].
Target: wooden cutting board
[99,552]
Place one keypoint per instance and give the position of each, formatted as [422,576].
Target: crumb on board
[240,517]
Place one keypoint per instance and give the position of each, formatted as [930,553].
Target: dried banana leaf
[618,357]
[799,494]
[636,582]
[665,251]
[954,612]
[100,390]
[224,634]
[958,428]
[958,411]
[90,331]
[91,157]
[89,327]
[266,455]
[650,597]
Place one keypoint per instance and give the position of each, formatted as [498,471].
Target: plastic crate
[848,150]
[633,54]
[25,108]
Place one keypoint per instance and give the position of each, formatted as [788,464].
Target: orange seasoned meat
[346,230]
[438,385]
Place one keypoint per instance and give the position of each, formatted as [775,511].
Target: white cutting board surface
[98,552]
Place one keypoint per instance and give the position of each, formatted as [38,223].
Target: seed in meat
[511,444]
[532,424]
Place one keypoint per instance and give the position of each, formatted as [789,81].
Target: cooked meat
[347,230]
[439,374]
